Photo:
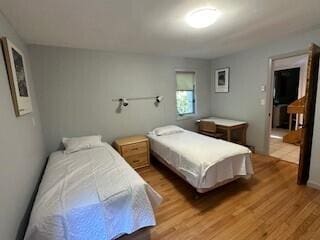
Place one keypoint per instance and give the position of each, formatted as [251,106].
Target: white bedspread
[91,194]
[204,161]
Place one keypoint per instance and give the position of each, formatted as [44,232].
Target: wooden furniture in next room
[294,136]
[135,150]
[235,131]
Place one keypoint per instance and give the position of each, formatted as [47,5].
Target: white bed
[202,161]
[91,194]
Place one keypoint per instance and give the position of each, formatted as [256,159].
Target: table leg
[229,134]
[290,122]
[244,136]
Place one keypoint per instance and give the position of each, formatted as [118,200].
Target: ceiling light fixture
[202,17]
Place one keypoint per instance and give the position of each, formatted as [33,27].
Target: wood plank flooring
[269,206]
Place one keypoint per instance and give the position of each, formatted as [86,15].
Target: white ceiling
[158,26]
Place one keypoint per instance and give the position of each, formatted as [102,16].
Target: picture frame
[222,80]
[17,76]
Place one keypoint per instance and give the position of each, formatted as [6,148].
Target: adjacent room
[289,89]
[144,119]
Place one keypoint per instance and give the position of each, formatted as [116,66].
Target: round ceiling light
[202,18]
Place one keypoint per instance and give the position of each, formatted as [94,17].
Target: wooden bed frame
[199,190]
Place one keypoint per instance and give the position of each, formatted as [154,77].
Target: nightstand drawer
[134,149]
[139,160]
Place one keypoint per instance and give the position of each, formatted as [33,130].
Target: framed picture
[222,80]
[17,78]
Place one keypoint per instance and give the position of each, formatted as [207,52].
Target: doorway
[288,88]
[303,107]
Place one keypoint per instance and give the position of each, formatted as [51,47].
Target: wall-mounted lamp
[125,101]
[159,99]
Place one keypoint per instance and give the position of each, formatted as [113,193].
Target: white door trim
[269,102]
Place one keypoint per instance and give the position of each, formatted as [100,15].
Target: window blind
[185,81]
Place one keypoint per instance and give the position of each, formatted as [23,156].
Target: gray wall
[248,71]
[314,178]
[75,88]
[22,152]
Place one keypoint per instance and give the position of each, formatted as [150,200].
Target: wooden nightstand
[135,150]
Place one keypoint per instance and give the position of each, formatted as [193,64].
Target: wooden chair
[209,128]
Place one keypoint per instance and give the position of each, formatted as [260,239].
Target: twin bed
[91,192]
[204,162]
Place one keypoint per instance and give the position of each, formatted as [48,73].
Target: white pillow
[167,130]
[79,143]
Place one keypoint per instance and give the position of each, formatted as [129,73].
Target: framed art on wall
[17,76]
[222,80]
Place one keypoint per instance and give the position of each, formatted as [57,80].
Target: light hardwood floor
[269,206]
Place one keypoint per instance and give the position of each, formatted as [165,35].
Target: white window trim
[190,115]
[186,116]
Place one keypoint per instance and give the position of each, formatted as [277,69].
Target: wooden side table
[135,150]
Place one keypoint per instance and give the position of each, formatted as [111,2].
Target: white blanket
[204,161]
[90,194]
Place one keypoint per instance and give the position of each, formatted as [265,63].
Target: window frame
[194,113]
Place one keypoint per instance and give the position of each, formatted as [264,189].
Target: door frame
[309,113]
[269,88]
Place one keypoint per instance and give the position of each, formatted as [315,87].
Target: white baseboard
[313,184]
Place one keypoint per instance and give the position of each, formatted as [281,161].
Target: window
[185,93]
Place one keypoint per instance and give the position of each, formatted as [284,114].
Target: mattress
[91,194]
[203,161]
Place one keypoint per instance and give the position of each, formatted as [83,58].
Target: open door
[309,112]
